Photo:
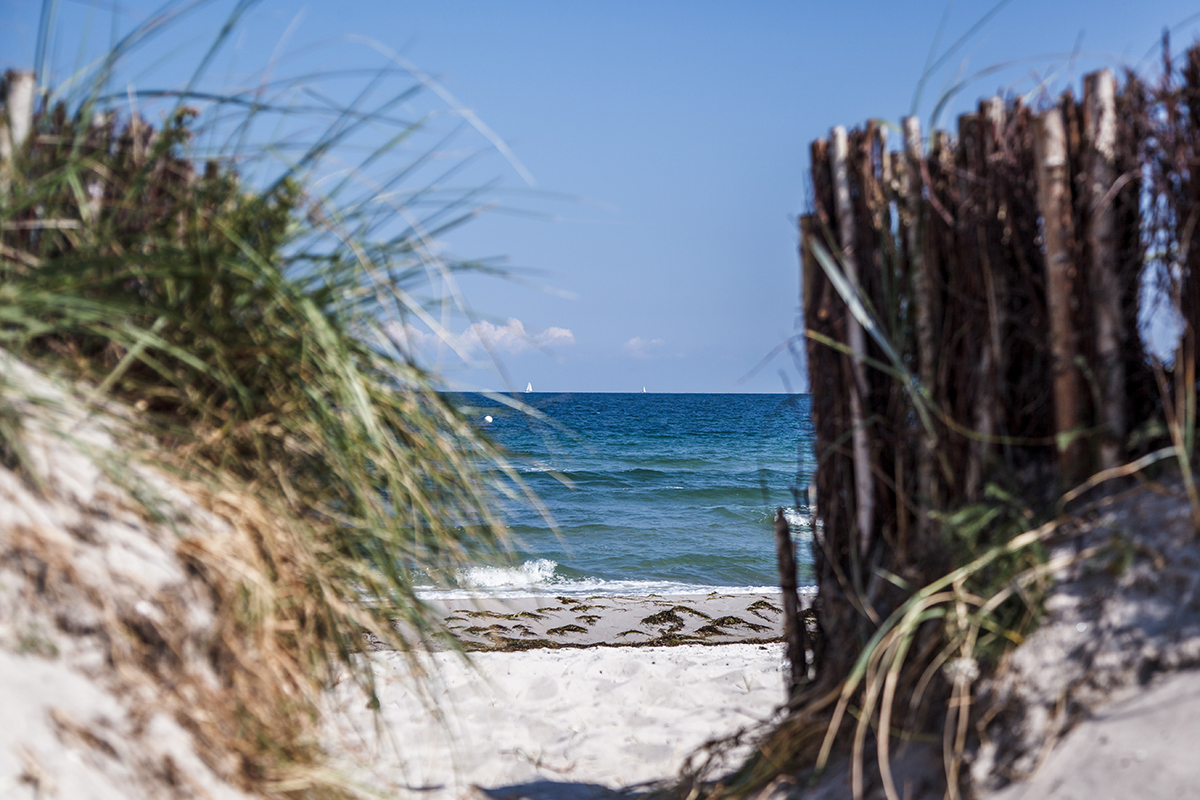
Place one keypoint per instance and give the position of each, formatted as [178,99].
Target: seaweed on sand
[758,606]
[670,618]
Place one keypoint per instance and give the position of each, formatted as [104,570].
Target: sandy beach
[598,708]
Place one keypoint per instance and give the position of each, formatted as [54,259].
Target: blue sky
[668,144]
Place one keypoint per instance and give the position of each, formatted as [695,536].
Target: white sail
[528,388]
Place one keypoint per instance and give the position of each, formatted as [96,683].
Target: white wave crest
[538,572]
[798,521]
[537,578]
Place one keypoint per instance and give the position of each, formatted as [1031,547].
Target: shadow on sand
[565,790]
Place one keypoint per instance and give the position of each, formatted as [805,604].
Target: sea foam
[538,577]
[531,573]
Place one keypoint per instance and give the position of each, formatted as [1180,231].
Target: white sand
[79,557]
[579,718]
[75,558]
[1147,746]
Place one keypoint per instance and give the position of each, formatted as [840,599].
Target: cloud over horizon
[407,336]
[637,347]
[511,338]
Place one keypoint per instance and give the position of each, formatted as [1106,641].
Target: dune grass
[250,304]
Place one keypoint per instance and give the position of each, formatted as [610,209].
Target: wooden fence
[991,335]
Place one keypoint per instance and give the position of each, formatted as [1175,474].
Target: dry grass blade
[1179,409]
[905,620]
[1133,467]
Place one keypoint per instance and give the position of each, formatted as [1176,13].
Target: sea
[645,493]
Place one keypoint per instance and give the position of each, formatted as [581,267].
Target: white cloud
[638,347]
[407,337]
[512,338]
[555,337]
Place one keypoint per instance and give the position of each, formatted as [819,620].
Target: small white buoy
[487,418]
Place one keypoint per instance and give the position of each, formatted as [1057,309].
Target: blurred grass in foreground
[258,326]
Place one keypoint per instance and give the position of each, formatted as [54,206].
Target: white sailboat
[528,388]
[643,390]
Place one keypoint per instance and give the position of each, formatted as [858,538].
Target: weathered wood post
[923,292]
[1054,205]
[1100,141]
[864,489]
[989,401]
[991,115]
[795,634]
[18,105]
[809,268]
[973,247]
[16,121]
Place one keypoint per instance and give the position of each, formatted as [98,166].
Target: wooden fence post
[989,125]
[922,287]
[864,488]
[16,121]
[18,105]
[991,115]
[808,266]
[1100,141]
[795,633]
[1054,204]
[973,245]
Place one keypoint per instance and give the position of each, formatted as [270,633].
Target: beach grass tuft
[245,310]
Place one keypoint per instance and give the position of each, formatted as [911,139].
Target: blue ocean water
[651,493]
